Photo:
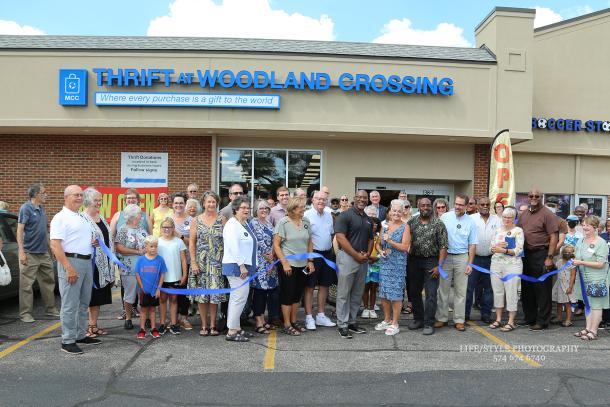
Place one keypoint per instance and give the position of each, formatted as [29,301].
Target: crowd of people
[237,260]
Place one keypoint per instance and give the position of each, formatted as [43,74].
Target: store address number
[428,192]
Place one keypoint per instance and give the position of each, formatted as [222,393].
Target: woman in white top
[182,221]
[173,251]
[506,246]
[238,262]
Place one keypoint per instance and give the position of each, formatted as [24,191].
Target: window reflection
[270,169]
[304,170]
[235,168]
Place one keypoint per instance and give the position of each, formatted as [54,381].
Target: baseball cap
[552,200]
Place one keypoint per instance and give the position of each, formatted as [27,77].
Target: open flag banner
[501,171]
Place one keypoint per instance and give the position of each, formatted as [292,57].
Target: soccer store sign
[590,126]
[73,86]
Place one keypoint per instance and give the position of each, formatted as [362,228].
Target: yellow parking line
[505,345]
[269,360]
[29,339]
[13,348]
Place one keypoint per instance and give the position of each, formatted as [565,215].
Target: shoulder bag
[5,272]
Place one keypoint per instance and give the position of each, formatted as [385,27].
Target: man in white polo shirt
[322,231]
[72,246]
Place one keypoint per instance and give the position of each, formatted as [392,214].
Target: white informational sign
[187,100]
[143,170]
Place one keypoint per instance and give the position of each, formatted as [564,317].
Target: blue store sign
[73,87]
[590,126]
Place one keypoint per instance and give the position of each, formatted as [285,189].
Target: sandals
[590,336]
[566,324]
[289,330]
[298,327]
[246,334]
[236,337]
[204,332]
[407,310]
[507,328]
[581,333]
[93,331]
[496,324]
[214,331]
[262,330]
[268,327]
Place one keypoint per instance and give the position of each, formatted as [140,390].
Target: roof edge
[506,9]
[572,20]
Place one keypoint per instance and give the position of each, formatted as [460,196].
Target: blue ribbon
[442,271]
[585,297]
[522,276]
[111,255]
[216,291]
[511,275]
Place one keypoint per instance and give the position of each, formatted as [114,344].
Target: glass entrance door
[391,190]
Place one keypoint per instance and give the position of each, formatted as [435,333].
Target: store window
[565,202]
[261,172]
[595,204]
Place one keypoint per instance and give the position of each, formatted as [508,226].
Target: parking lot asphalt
[479,367]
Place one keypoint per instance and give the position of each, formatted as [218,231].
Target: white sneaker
[392,330]
[376,308]
[323,320]
[382,326]
[310,324]
[372,314]
[365,314]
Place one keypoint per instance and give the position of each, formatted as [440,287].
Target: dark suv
[8,234]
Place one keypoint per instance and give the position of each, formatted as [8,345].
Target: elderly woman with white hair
[392,247]
[103,272]
[129,243]
[506,246]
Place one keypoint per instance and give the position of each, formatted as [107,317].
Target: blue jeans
[476,278]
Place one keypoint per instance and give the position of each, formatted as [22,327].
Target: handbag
[598,289]
[5,272]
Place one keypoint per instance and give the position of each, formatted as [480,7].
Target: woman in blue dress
[392,248]
[265,294]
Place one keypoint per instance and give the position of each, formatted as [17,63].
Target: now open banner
[501,171]
[113,199]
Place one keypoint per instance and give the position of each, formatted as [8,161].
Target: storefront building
[266,113]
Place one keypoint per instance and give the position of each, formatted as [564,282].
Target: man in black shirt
[354,231]
[428,249]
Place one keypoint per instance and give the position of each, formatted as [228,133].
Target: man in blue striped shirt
[462,236]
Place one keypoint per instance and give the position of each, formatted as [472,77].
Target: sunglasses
[237,193]
[344,199]
[441,207]
[533,196]
[193,191]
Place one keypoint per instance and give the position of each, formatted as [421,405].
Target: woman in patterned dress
[265,294]
[392,248]
[206,250]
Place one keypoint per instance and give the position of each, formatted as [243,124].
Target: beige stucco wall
[509,35]
[571,68]
[562,173]
[344,162]
[467,115]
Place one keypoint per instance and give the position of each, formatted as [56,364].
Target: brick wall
[59,160]
[481,169]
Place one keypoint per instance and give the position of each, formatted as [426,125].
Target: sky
[443,22]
